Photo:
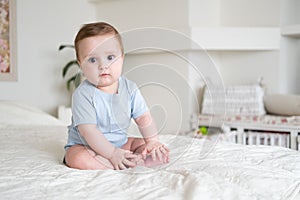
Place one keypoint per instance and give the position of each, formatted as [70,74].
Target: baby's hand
[138,160]
[121,159]
[156,150]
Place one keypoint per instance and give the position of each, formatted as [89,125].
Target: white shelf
[96,1]
[225,39]
[232,38]
[291,30]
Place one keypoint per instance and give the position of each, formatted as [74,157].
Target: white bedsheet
[31,168]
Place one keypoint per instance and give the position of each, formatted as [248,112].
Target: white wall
[254,13]
[163,80]
[244,66]
[186,15]
[234,13]
[203,13]
[248,67]
[42,25]
[129,14]
[290,47]
[167,76]
[290,65]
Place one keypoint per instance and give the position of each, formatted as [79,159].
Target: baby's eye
[92,60]
[110,57]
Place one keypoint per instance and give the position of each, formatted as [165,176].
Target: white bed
[31,152]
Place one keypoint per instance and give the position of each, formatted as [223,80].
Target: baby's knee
[76,161]
[78,158]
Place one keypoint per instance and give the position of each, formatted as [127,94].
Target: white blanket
[31,168]
[31,153]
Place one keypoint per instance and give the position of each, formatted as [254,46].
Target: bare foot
[138,160]
[148,162]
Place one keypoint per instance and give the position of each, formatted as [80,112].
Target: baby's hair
[96,29]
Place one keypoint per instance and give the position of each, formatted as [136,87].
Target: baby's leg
[132,145]
[137,145]
[82,157]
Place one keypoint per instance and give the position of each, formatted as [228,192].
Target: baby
[102,108]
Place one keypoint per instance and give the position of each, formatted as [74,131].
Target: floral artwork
[4,37]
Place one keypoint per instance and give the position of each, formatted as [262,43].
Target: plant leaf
[69,82]
[77,80]
[61,47]
[68,66]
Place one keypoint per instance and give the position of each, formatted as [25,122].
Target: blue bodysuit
[111,112]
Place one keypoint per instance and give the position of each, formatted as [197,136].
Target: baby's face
[101,59]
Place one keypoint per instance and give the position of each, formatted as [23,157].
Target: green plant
[75,79]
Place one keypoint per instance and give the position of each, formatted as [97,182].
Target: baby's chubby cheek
[92,76]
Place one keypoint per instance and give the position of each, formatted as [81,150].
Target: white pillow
[15,114]
[280,104]
[239,100]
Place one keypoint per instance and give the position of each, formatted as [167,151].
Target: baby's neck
[110,89]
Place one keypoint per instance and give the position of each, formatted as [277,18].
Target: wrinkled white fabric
[31,168]
[31,153]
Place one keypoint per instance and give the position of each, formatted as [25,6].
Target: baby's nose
[103,66]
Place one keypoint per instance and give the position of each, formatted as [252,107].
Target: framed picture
[8,51]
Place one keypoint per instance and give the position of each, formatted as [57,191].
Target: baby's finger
[145,153]
[116,167]
[166,148]
[165,155]
[122,166]
[127,151]
[129,163]
[159,155]
[130,155]
[153,154]
[164,151]
[166,159]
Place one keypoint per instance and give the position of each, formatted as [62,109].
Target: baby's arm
[148,129]
[119,158]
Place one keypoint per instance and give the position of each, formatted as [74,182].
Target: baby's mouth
[104,75]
